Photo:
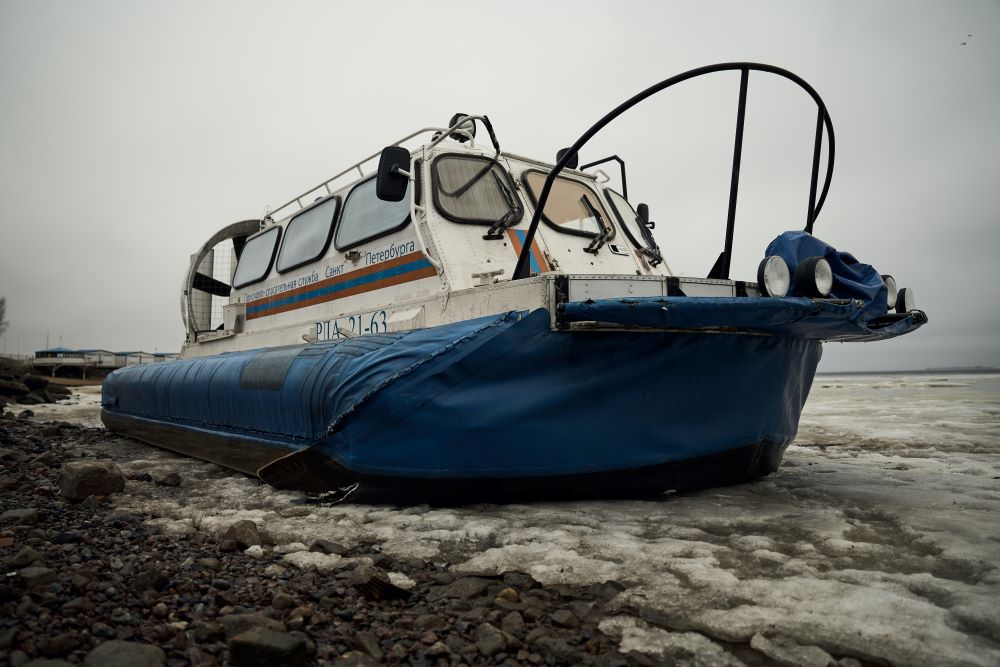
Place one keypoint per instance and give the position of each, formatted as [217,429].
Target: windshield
[628,219]
[564,209]
[474,190]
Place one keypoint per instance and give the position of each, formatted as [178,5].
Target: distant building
[92,363]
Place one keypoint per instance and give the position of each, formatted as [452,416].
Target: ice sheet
[878,538]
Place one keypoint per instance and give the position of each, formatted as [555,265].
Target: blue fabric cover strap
[788,316]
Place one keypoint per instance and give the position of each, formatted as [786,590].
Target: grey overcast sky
[130,131]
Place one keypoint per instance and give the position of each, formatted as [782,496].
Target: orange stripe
[426,272]
[536,252]
[543,266]
[360,273]
[514,241]
[642,260]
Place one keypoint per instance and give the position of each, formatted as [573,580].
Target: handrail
[823,120]
[357,165]
[621,167]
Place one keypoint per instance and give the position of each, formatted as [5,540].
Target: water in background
[946,412]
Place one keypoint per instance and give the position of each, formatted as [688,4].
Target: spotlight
[890,284]
[905,301]
[773,277]
[814,277]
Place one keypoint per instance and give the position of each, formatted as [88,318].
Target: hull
[491,409]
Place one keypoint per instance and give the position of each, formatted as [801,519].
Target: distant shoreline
[926,371]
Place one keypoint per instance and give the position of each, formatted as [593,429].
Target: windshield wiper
[651,249]
[605,232]
[510,218]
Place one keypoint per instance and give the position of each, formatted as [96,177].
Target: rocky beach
[869,546]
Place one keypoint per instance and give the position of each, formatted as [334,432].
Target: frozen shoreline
[877,538]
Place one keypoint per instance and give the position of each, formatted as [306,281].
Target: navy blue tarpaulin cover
[851,278]
[502,397]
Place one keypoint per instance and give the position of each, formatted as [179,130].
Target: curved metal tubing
[521,269]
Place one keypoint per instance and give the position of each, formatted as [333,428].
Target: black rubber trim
[545,218]
[386,232]
[329,234]
[270,262]
[470,221]
[311,471]
[674,287]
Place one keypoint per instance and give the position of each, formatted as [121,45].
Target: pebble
[263,647]
[35,577]
[513,623]
[78,605]
[235,624]
[125,654]
[357,659]
[328,547]
[368,642]
[244,533]
[24,557]
[20,516]
[465,588]
[213,564]
[564,618]
[168,479]
[507,595]
[60,645]
[490,640]
[81,479]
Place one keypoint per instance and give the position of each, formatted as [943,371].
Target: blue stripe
[415,265]
[531,256]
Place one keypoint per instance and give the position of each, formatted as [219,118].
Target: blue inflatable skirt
[497,408]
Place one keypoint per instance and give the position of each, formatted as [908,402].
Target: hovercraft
[469,324]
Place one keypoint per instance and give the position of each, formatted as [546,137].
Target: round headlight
[905,301]
[890,284]
[773,277]
[814,277]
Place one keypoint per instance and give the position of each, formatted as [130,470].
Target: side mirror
[393,174]
[642,211]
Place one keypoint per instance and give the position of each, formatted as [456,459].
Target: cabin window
[307,236]
[474,190]
[366,217]
[564,208]
[627,217]
[257,257]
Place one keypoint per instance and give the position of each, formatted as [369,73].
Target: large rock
[117,653]
[13,388]
[80,479]
[261,647]
[35,382]
[244,533]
